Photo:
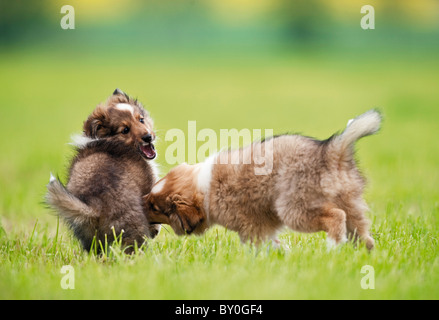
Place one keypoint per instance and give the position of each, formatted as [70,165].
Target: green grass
[45,97]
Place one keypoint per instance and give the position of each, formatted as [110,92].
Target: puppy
[313,186]
[108,176]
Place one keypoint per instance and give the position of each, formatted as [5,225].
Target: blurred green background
[293,66]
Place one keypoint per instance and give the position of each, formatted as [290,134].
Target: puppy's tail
[75,212]
[364,125]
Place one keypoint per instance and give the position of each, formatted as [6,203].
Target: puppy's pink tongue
[149,151]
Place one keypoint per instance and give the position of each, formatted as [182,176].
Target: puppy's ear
[94,123]
[118,91]
[188,211]
[92,126]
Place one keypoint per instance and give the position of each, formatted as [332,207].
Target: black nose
[147,138]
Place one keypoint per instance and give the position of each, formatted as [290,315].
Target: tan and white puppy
[312,186]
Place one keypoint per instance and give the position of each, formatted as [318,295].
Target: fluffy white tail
[364,125]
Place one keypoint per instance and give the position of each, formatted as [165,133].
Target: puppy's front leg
[276,244]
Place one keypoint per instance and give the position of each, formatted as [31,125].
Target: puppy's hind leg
[333,222]
[358,228]
[328,218]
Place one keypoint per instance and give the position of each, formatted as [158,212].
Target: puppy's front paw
[154,230]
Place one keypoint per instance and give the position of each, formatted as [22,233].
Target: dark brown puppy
[109,174]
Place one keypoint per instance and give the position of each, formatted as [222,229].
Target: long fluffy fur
[70,207]
[108,176]
[314,186]
[364,125]
[79,216]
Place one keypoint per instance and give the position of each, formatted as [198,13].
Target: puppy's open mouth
[148,150]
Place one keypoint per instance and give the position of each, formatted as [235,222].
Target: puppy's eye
[142,120]
[125,130]
[154,207]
